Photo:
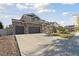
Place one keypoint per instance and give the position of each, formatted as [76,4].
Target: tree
[1,25]
[62,29]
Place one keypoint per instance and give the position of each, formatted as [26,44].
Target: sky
[62,13]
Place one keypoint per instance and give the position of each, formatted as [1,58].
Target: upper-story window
[34,19]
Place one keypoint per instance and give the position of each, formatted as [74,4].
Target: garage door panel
[19,30]
[34,29]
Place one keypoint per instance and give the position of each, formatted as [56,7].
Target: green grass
[68,35]
[53,34]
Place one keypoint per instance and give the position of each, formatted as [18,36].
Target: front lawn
[66,35]
[63,35]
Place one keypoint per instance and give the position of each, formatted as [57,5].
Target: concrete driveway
[33,44]
[42,45]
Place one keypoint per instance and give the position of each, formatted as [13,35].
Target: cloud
[41,6]
[68,3]
[38,7]
[9,4]
[4,6]
[9,16]
[74,16]
[62,23]
[65,13]
[53,10]
[46,10]
[21,6]
[4,17]
[32,6]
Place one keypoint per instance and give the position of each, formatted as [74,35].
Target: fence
[3,32]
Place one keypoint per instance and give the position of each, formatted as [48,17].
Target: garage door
[19,30]
[34,29]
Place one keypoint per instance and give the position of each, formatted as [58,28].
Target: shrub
[49,33]
[55,34]
[1,25]
[62,30]
[66,35]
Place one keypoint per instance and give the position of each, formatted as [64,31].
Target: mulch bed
[8,46]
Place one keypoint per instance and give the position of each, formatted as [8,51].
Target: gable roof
[31,15]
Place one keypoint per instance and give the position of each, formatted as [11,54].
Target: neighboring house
[3,32]
[30,23]
[77,24]
[70,28]
[6,31]
[9,30]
